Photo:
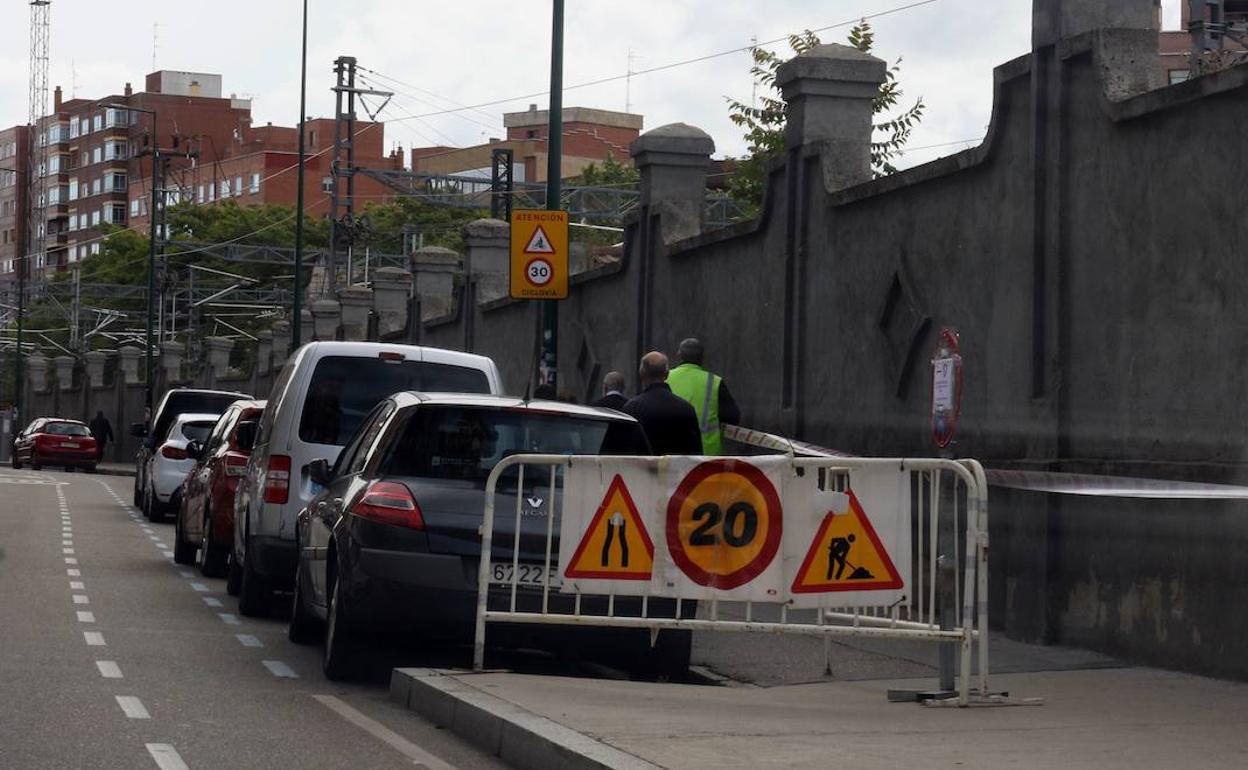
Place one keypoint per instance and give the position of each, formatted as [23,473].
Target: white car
[318,401]
[170,462]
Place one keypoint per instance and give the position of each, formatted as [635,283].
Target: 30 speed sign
[539,254]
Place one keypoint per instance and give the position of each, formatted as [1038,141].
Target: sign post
[946,388]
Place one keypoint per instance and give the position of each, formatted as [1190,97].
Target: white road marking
[73,572]
[67,551]
[81,599]
[382,733]
[212,602]
[159,544]
[247,640]
[133,707]
[77,585]
[199,587]
[67,541]
[93,638]
[186,573]
[108,669]
[166,756]
[70,560]
[280,669]
[167,555]
[86,617]
[228,619]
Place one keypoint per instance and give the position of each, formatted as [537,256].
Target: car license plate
[531,575]
[68,445]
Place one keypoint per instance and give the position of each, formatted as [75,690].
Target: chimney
[129,90]
[532,107]
[56,99]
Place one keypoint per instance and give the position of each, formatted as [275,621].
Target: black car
[391,545]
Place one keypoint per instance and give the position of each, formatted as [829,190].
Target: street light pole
[297,304]
[554,178]
[151,268]
[21,262]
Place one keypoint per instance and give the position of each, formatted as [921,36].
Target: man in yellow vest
[707,393]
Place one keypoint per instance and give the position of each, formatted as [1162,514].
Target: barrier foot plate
[919,696]
[992,699]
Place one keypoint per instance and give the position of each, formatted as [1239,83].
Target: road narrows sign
[616,545]
[846,555]
[724,524]
[539,254]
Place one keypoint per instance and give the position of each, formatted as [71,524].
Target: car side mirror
[318,472]
[245,436]
[195,450]
[138,429]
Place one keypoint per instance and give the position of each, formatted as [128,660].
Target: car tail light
[173,452]
[388,502]
[236,464]
[277,480]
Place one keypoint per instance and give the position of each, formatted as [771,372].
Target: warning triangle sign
[539,243]
[616,545]
[846,555]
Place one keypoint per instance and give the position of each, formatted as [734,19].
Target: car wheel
[89,469]
[253,592]
[211,557]
[233,576]
[150,507]
[183,552]
[303,626]
[138,494]
[339,658]
[69,469]
[34,464]
[17,464]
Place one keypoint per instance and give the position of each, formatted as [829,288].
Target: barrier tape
[1086,484]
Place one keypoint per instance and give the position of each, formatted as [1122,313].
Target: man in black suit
[612,392]
[668,420]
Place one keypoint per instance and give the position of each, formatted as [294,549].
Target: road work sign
[539,254]
[846,555]
[616,544]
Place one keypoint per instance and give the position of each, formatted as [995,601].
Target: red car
[53,441]
[205,515]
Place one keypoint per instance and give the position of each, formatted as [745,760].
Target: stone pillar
[130,358]
[281,344]
[64,372]
[218,349]
[356,302]
[1125,47]
[264,351]
[829,90]
[325,316]
[391,288]
[171,355]
[434,269]
[95,367]
[488,260]
[673,160]
[1053,20]
[37,371]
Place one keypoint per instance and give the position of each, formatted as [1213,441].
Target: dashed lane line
[213,601]
[228,618]
[199,587]
[166,756]
[86,617]
[81,599]
[77,585]
[108,669]
[133,707]
[73,572]
[247,640]
[94,638]
[279,669]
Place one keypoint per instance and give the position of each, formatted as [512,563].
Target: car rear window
[192,403]
[197,431]
[344,389]
[465,443]
[66,429]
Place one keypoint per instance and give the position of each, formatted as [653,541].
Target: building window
[97,155]
[95,218]
[86,158]
[115,151]
[73,189]
[97,122]
[1178,76]
[134,207]
[116,117]
[238,185]
[95,248]
[85,127]
[225,189]
[116,213]
[255,182]
[116,182]
[95,187]
[199,195]
[73,129]
[327,184]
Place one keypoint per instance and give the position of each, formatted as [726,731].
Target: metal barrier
[948,518]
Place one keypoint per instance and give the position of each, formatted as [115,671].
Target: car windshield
[66,429]
[197,431]
[465,443]
[344,389]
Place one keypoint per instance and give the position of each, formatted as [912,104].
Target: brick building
[1176,45]
[14,159]
[589,136]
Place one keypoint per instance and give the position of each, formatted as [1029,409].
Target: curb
[519,737]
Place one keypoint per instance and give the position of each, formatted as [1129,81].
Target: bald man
[612,392]
[669,421]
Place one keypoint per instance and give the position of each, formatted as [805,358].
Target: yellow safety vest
[701,389]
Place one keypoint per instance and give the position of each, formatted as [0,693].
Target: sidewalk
[1092,718]
[115,469]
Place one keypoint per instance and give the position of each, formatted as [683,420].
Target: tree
[611,173]
[764,124]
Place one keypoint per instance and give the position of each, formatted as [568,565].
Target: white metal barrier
[947,517]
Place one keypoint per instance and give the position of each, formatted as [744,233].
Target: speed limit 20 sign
[539,254]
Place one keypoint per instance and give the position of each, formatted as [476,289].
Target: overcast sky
[465,53]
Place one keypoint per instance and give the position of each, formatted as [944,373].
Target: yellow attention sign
[846,555]
[724,524]
[616,545]
[539,254]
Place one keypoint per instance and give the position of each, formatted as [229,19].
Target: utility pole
[297,304]
[157,184]
[554,179]
[36,204]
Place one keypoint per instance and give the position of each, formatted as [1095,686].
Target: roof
[211,392]
[375,348]
[186,417]
[409,398]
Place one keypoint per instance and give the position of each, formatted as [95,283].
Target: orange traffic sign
[724,523]
[616,545]
[846,555]
[539,254]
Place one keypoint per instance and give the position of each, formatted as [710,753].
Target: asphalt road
[111,656]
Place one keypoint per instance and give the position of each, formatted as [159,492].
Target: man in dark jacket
[668,420]
[612,392]
[102,431]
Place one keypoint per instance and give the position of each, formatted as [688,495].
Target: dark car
[54,441]
[175,402]
[205,516]
[391,545]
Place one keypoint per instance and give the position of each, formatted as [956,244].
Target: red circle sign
[539,271]
[724,524]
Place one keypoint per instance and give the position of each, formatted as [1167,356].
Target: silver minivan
[317,402]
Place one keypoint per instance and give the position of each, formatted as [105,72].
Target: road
[111,656]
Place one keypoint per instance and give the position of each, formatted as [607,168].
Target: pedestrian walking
[706,393]
[612,392]
[668,420]
[102,430]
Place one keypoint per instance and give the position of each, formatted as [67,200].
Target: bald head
[614,381]
[653,368]
[690,351]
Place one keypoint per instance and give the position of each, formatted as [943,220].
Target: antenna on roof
[155,41]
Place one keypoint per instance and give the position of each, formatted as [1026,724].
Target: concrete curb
[517,736]
[123,471]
